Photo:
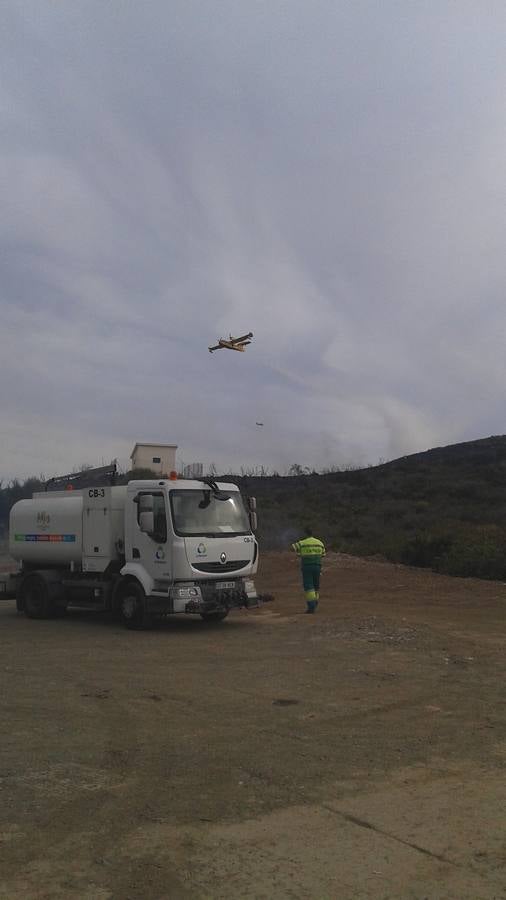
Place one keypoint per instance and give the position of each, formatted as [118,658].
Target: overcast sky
[329,175]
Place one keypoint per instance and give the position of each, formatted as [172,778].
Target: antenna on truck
[88,478]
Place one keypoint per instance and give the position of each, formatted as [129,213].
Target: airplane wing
[245,339]
[217,347]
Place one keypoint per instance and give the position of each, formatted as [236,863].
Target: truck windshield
[200,513]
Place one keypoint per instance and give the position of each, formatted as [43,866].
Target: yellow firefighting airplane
[233,343]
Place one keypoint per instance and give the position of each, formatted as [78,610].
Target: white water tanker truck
[142,550]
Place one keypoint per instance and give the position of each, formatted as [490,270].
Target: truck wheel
[215,616]
[34,598]
[132,607]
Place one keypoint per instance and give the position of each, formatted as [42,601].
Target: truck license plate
[224,585]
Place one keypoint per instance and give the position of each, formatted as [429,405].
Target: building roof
[159,446]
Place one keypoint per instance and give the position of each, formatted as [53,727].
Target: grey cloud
[329,176]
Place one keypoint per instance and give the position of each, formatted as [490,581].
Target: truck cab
[190,545]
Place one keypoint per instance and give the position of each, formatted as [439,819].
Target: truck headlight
[184,591]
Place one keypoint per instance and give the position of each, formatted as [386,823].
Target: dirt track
[360,753]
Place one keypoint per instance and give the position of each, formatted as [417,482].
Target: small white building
[160,458]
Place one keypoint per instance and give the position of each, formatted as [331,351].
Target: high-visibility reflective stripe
[309,547]
[312,550]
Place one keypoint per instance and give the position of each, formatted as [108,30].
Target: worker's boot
[311,607]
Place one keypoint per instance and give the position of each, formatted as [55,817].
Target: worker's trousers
[311,582]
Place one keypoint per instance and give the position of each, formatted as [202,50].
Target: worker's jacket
[310,550]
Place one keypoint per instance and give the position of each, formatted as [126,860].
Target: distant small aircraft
[260,423]
[233,343]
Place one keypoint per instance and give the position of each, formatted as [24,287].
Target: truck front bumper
[206,597]
[232,600]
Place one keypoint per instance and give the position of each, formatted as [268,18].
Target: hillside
[444,508]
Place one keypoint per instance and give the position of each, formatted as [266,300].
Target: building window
[157,459]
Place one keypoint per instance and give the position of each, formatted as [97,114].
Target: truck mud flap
[8,586]
[159,606]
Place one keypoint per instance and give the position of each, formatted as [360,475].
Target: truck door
[150,544]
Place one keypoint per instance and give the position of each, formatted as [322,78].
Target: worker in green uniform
[310,550]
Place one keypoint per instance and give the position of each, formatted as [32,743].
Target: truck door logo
[160,554]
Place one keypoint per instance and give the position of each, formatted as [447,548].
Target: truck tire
[35,598]
[132,604]
[40,597]
[215,616]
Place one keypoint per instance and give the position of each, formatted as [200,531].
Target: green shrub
[141,475]
[426,550]
[479,554]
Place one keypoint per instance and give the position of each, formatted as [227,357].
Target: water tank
[47,531]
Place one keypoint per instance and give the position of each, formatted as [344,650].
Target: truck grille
[222,567]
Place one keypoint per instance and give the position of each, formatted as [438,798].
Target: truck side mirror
[252,503]
[147,521]
[145,514]
[253,518]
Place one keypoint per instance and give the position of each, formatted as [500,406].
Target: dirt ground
[358,753]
